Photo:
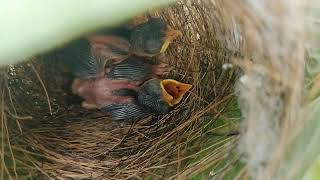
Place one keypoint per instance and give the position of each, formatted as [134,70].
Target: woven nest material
[45,132]
[49,135]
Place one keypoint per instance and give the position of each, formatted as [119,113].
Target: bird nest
[46,133]
[51,135]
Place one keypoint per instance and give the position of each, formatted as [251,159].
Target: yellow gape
[173,91]
[171,35]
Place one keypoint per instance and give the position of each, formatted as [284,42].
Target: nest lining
[51,136]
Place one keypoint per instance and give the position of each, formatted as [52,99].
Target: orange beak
[171,35]
[173,91]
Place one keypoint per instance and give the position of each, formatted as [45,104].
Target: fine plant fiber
[46,134]
[270,90]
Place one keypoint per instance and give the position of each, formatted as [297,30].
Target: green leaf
[306,146]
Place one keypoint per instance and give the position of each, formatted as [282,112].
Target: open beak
[173,91]
[171,35]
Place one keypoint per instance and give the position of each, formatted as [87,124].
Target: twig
[43,86]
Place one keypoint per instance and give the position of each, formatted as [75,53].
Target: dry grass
[46,133]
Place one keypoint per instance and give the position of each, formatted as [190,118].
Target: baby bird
[152,96]
[152,37]
[111,88]
[86,59]
[130,89]
[146,39]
